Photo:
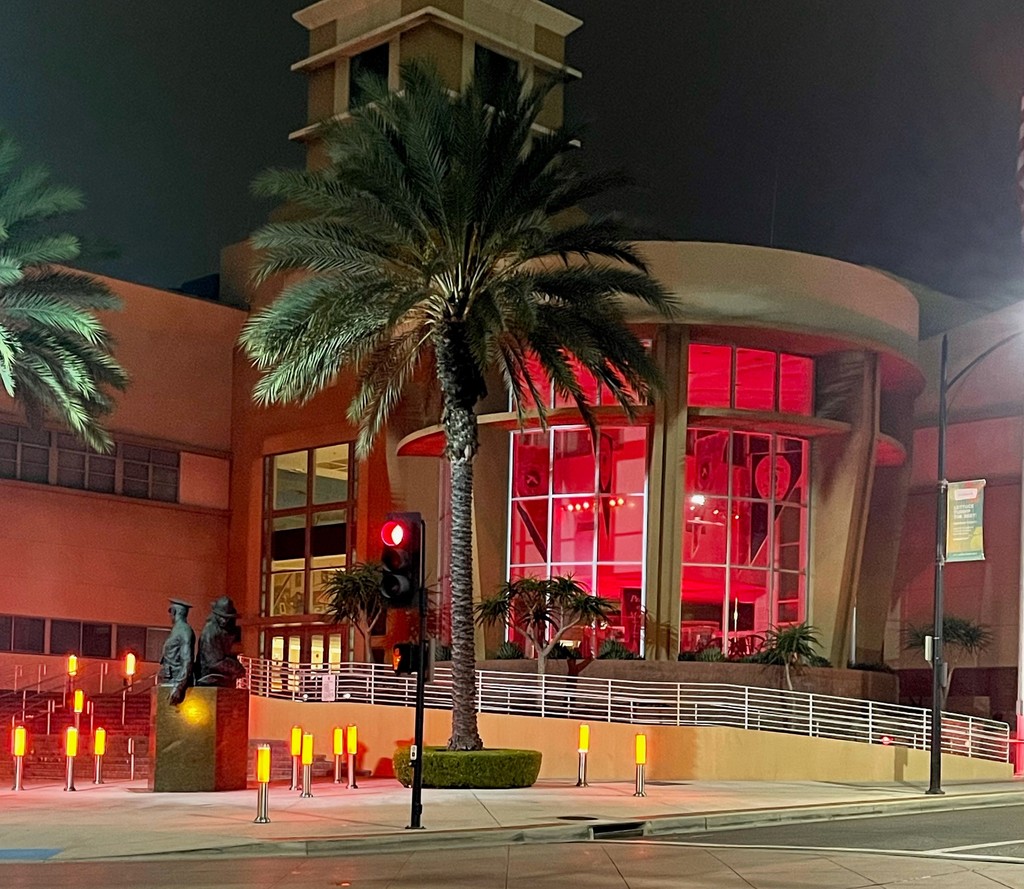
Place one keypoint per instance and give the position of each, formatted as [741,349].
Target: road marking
[1019,842]
[836,850]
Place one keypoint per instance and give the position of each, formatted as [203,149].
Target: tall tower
[461,37]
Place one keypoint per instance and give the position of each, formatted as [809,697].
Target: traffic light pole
[417,743]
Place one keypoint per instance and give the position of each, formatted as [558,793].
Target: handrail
[646,703]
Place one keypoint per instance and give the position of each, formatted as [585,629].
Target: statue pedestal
[202,744]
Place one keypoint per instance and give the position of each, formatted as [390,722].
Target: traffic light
[401,559]
[405,658]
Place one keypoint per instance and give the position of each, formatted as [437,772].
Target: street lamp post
[935,744]
[938,660]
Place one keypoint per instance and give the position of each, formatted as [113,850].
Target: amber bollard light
[99,748]
[263,779]
[583,748]
[641,764]
[307,765]
[19,743]
[70,752]
[339,752]
[78,706]
[296,749]
[352,748]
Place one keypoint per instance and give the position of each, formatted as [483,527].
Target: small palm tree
[544,610]
[355,598]
[962,639]
[55,356]
[437,247]
[790,647]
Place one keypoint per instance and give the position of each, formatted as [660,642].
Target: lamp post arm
[967,368]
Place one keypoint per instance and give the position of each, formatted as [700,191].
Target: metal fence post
[679,704]
[746,706]
[871,722]
[810,716]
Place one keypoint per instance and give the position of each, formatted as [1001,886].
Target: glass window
[330,483]
[156,637]
[97,640]
[305,541]
[750,379]
[492,69]
[5,632]
[709,377]
[65,637]
[585,518]
[29,634]
[755,380]
[371,63]
[796,385]
[744,538]
[290,480]
[131,639]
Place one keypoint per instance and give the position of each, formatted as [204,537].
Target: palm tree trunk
[459,422]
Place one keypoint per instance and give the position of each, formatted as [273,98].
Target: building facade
[768,485]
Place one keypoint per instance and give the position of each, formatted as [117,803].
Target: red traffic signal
[401,559]
[393,533]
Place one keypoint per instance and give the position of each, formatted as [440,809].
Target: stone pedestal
[202,744]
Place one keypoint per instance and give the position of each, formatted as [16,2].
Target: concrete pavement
[123,820]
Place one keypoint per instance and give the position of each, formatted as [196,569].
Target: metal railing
[646,703]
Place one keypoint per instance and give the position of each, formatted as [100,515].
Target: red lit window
[796,385]
[574,512]
[744,538]
[710,376]
[750,379]
[755,380]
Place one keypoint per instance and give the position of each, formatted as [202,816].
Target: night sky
[880,131]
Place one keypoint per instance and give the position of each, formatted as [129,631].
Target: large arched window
[581,511]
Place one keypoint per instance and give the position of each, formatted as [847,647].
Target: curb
[660,825]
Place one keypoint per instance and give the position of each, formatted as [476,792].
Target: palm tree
[55,356]
[437,245]
[544,610]
[790,647]
[962,639]
[354,598]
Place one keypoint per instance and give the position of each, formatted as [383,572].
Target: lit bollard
[99,748]
[339,752]
[583,748]
[19,743]
[352,748]
[78,706]
[263,779]
[296,751]
[70,752]
[307,766]
[131,759]
[641,763]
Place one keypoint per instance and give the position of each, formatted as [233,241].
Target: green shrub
[560,652]
[614,650]
[442,653]
[481,769]
[509,651]
[711,655]
[818,660]
[687,656]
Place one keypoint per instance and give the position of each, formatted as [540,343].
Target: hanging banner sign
[965,503]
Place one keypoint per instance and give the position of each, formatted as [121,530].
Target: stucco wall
[674,753]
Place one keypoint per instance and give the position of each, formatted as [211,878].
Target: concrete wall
[674,753]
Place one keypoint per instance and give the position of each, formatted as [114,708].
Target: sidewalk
[120,820]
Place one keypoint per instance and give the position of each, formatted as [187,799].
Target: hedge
[483,769]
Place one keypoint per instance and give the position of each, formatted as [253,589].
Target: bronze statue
[179,652]
[217,665]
